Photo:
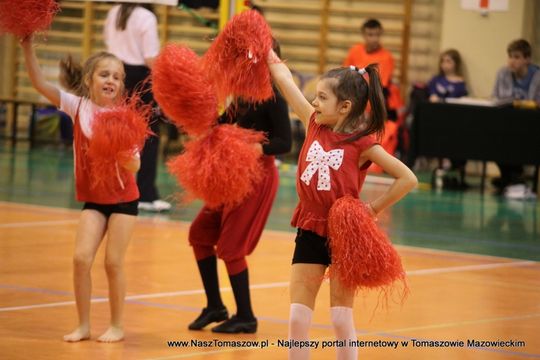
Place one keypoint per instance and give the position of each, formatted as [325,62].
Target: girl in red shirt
[112,209]
[339,147]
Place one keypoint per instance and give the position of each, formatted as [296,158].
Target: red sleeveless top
[327,171]
[117,190]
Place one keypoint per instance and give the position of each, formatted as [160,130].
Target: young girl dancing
[339,147]
[100,86]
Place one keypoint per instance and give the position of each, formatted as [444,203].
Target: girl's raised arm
[283,79]
[37,78]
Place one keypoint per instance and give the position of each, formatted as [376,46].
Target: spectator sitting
[449,83]
[518,81]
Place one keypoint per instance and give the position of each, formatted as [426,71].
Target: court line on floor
[438,237]
[38,223]
[419,272]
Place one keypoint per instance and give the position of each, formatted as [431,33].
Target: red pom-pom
[362,255]
[236,60]
[117,134]
[222,167]
[24,17]
[182,90]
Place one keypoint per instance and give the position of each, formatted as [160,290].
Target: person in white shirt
[130,33]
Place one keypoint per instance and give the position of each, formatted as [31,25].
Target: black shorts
[311,249]
[127,208]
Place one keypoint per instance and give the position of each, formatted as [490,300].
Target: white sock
[343,323]
[299,323]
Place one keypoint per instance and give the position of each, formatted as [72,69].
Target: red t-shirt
[327,171]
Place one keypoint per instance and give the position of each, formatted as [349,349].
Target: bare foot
[79,334]
[112,334]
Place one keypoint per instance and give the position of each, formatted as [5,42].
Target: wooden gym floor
[471,259]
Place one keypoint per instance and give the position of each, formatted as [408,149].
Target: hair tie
[361,71]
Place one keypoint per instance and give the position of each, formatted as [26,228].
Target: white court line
[275,285]
[38,223]
[469,268]
[143,296]
[40,208]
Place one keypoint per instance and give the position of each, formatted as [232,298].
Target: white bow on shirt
[321,161]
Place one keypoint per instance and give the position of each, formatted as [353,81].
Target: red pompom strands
[117,134]
[221,167]
[183,91]
[25,17]
[236,60]
[362,255]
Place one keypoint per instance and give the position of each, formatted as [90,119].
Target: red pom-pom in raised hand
[24,17]
[182,90]
[236,60]
[117,134]
[362,255]
[222,167]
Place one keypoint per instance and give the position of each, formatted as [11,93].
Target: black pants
[136,81]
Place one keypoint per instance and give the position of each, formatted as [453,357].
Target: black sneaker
[236,325]
[208,316]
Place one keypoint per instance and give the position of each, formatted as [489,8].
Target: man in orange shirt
[371,51]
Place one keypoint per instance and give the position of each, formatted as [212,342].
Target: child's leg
[119,233]
[203,236]
[90,232]
[241,229]
[306,280]
[341,302]
[244,320]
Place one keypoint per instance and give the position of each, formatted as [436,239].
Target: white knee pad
[343,323]
[299,323]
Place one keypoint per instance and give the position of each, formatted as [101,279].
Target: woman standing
[130,33]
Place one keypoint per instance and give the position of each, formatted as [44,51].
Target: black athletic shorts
[127,208]
[311,249]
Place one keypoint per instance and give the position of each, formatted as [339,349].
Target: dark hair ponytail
[375,124]
[353,86]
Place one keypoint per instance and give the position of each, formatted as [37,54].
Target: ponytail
[71,75]
[374,93]
[376,99]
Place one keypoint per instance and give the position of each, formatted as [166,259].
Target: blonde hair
[73,76]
